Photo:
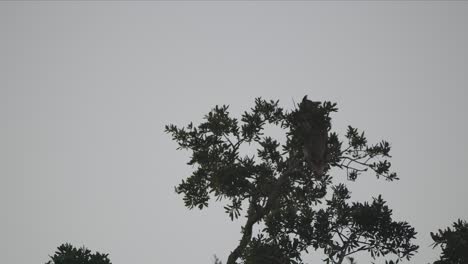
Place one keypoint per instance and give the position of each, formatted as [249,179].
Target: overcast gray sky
[86,88]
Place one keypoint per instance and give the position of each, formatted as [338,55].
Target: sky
[87,87]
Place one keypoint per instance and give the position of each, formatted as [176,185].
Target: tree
[454,243]
[287,190]
[68,254]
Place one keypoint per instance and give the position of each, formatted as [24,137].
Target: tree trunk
[342,254]
[254,216]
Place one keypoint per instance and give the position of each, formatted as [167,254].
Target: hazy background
[86,88]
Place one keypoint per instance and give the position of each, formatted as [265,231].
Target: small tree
[285,186]
[67,254]
[454,243]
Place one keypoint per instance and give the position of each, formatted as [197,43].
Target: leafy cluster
[359,156]
[67,254]
[364,227]
[277,188]
[454,243]
[215,149]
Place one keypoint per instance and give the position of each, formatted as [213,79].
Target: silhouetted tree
[67,254]
[287,187]
[454,243]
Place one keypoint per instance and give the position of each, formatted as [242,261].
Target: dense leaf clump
[67,254]
[454,243]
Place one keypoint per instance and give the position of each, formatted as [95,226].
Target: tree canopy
[454,243]
[68,254]
[300,207]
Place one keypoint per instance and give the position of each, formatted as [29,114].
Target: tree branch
[254,215]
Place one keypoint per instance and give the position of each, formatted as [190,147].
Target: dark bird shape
[314,132]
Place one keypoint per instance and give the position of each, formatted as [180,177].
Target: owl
[314,132]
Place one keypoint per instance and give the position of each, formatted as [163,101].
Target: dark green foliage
[67,254]
[277,188]
[454,243]
[266,251]
[359,153]
[365,226]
